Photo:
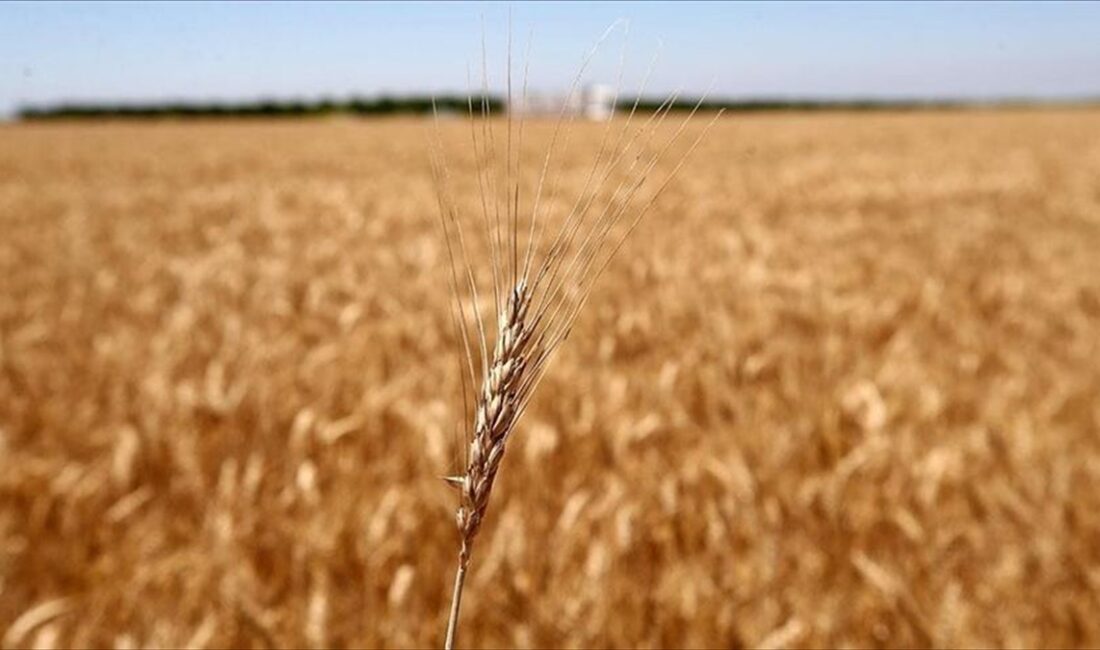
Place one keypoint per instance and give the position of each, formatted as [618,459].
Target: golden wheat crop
[839,389]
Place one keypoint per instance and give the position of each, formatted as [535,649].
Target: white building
[594,102]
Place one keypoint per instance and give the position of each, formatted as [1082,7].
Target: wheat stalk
[536,295]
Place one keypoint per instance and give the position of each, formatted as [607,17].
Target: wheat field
[839,390]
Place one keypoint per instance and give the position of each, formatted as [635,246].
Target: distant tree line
[748,105]
[386,105]
[263,108]
[794,104]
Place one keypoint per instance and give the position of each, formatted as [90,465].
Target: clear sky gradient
[215,51]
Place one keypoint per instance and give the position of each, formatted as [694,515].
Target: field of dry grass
[839,390]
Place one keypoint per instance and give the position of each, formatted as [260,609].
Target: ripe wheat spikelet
[536,292]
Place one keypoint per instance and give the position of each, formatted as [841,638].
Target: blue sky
[204,51]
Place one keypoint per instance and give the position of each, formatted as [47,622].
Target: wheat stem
[456,602]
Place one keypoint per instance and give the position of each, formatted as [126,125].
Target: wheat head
[538,289]
[497,411]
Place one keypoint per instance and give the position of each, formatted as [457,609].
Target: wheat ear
[498,407]
[537,293]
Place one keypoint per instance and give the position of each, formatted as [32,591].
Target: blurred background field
[839,390]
